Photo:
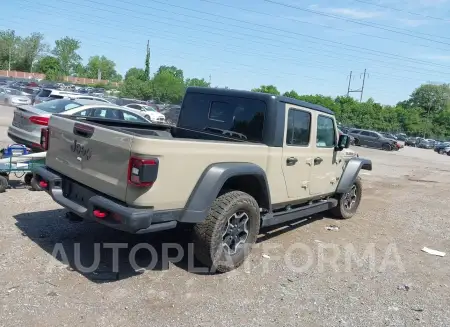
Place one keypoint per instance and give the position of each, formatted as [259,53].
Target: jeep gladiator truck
[235,162]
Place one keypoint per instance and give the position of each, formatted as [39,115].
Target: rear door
[297,152]
[92,155]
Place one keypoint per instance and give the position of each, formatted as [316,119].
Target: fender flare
[211,182]
[351,172]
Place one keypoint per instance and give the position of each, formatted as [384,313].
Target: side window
[128,116]
[374,135]
[298,127]
[133,106]
[108,113]
[326,133]
[364,133]
[84,113]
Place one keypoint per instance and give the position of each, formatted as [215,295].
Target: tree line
[425,113]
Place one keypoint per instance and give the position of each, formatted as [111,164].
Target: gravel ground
[404,208]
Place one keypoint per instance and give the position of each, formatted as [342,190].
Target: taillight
[39,120]
[142,172]
[45,133]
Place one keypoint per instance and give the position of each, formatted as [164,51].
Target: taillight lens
[39,120]
[45,133]
[142,172]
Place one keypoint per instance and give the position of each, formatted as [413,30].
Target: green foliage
[271,89]
[177,73]
[104,65]
[197,82]
[137,73]
[66,52]
[49,66]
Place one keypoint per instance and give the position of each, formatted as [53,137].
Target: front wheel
[441,151]
[348,203]
[386,147]
[223,241]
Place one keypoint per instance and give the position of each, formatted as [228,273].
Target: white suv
[147,112]
[51,94]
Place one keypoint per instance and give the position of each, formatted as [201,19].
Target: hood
[20,97]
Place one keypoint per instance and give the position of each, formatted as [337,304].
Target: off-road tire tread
[203,233]
[339,212]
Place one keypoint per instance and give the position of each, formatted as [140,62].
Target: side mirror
[343,142]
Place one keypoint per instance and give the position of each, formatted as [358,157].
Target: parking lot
[386,281]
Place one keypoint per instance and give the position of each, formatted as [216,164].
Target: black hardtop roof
[260,96]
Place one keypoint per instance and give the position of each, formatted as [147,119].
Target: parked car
[51,94]
[28,120]
[87,97]
[411,141]
[398,145]
[13,97]
[401,137]
[147,112]
[373,139]
[203,172]
[426,144]
[440,148]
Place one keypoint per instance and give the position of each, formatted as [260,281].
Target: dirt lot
[405,207]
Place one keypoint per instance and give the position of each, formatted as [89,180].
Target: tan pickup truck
[235,162]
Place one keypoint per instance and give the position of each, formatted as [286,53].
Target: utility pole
[362,88]
[361,91]
[349,83]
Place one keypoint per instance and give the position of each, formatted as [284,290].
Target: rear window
[240,118]
[57,106]
[44,93]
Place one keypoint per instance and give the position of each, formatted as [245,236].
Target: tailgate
[93,155]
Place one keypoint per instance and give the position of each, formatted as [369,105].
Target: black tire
[27,179]
[3,184]
[356,142]
[35,185]
[342,210]
[441,151]
[386,147]
[208,236]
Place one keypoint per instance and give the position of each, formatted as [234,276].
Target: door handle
[291,161]
[318,160]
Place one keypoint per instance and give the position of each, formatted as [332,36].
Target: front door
[297,152]
[326,165]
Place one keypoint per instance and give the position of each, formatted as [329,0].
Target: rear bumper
[83,201]
[25,138]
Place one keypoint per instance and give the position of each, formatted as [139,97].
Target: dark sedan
[440,148]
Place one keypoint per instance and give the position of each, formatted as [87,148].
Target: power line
[402,10]
[395,56]
[392,56]
[317,24]
[373,25]
[264,43]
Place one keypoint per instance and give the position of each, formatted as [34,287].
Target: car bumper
[20,137]
[83,201]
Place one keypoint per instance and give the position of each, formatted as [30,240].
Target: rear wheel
[441,151]
[27,179]
[356,142]
[348,203]
[223,241]
[3,183]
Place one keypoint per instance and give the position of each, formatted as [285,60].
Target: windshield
[56,106]
[147,108]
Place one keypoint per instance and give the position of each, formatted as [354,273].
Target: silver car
[13,97]
[28,120]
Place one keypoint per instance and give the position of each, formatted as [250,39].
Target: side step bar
[272,219]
